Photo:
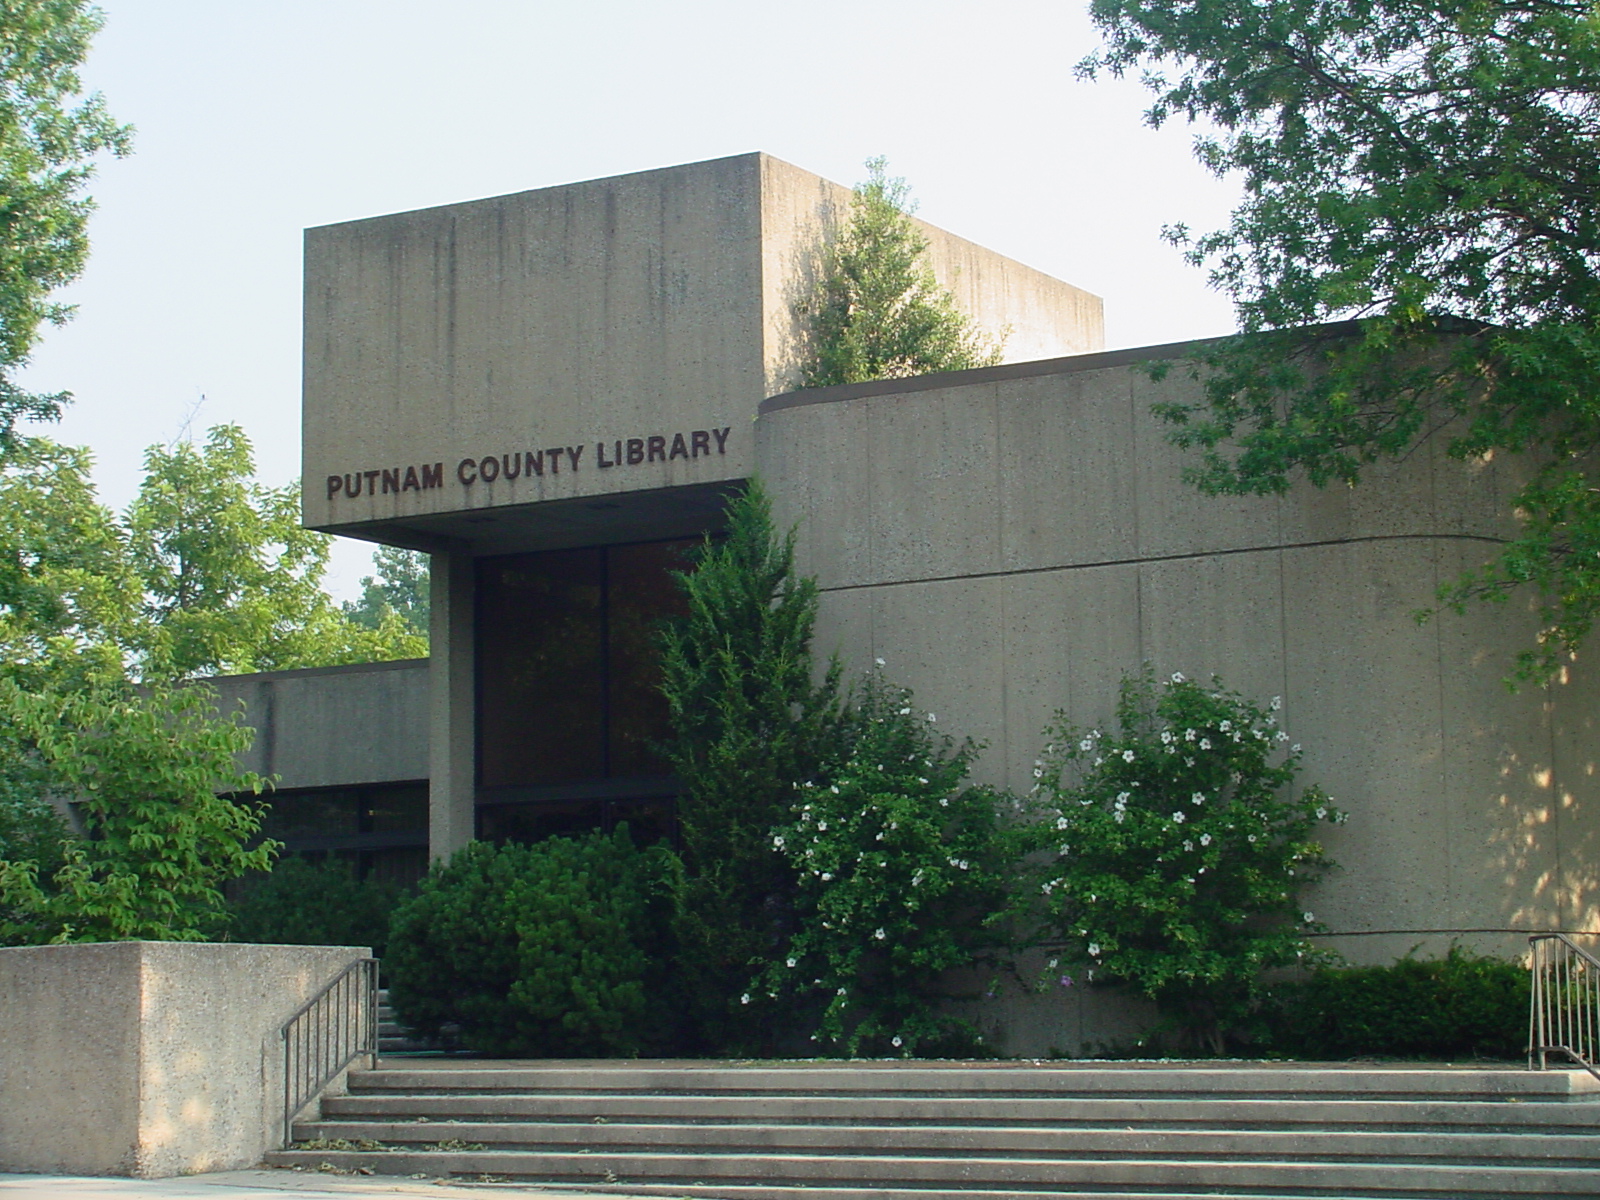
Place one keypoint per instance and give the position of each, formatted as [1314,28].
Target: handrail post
[1563,1002]
[329,1032]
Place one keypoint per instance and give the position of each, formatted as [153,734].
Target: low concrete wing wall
[148,1058]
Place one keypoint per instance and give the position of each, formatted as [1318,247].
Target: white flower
[895,1041]
[1252,837]
[822,826]
[1051,965]
[932,718]
[920,779]
[1086,745]
[879,838]
[1166,737]
[1122,798]
[1321,813]
[834,789]
[1282,736]
[790,963]
[1177,677]
[1189,735]
[962,865]
[777,843]
[1177,818]
[944,801]
[827,876]
[905,712]
[1295,749]
[745,999]
[879,934]
[1225,726]
[1038,772]
[1277,703]
[840,992]
[1198,798]
[879,661]
[1127,756]
[1047,887]
[1121,815]
[1062,822]
[1188,846]
[1308,917]
[1094,949]
[1205,839]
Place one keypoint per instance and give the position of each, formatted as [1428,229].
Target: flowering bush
[1179,848]
[904,876]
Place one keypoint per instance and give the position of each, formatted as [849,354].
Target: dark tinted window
[567,664]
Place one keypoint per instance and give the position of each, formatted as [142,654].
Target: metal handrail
[329,1031]
[1564,1002]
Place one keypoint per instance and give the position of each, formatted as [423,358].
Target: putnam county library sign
[616,452]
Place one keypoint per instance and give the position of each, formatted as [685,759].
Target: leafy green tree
[1179,850]
[49,137]
[231,581]
[145,771]
[400,587]
[749,726]
[68,595]
[877,311]
[1427,169]
[906,875]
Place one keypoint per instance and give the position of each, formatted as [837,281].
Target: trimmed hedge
[558,949]
[1463,1005]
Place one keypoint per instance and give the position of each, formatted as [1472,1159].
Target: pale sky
[258,118]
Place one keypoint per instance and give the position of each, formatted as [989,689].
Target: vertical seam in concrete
[1449,801]
[876,651]
[1138,529]
[1005,607]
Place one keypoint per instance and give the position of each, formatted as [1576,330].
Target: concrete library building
[553,393]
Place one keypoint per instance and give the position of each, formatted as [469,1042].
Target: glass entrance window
[568,669]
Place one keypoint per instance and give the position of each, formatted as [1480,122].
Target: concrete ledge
[149,1059]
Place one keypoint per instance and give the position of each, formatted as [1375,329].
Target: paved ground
[258,1185]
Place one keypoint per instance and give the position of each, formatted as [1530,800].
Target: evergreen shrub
[1463,1005]
[558,949]
[749,724]
[305,903]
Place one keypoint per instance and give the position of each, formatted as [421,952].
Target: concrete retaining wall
[150,1059]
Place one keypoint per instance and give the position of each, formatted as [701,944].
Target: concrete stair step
[990,1142]
[772,1191]
[982,1111]
[686,1170]
[972,1079]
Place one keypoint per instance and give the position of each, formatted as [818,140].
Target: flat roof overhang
[607,519]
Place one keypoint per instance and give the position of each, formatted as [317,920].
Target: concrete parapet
[150,1059]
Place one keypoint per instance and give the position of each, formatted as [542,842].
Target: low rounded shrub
[1463,1005]
[558,949]
[305,903]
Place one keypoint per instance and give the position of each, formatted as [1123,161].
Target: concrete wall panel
[563,322]
[1471,807]
[334,726]
[150,1059]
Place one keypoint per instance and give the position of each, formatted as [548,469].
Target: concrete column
[452,702]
